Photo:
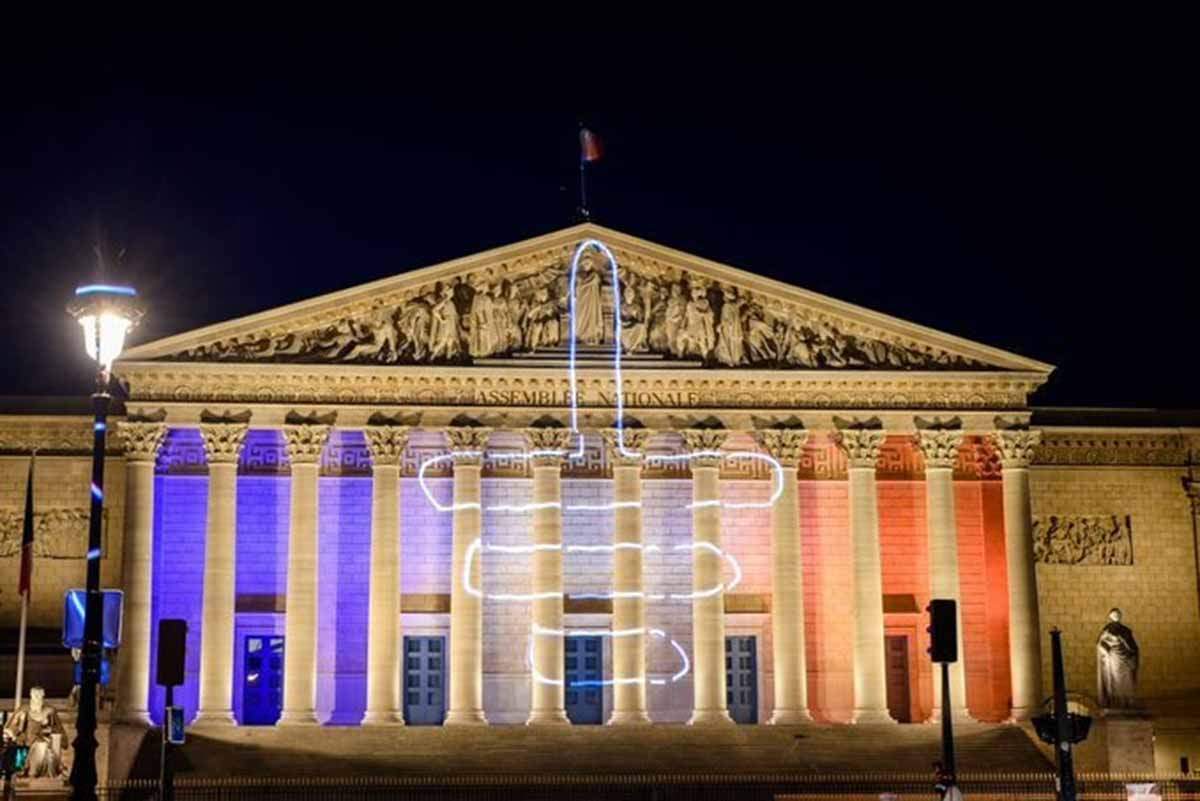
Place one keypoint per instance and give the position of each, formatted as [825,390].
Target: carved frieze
[1102,448]
[1083,539]
[59,532]
[520,307]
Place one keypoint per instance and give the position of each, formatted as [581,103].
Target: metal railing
[651,787]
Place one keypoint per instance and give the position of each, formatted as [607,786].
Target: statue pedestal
[1129,736]
[45,788]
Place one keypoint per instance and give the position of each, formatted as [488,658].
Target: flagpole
[21,651]
[583,209]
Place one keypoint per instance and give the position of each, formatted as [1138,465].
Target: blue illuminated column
[222,446]
[140,443]
[629,599]
[548,447]
[787,581]
[466,607]
[708,592]
[305,444]
[862,448]
[386,445]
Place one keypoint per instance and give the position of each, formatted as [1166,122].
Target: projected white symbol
[478,545]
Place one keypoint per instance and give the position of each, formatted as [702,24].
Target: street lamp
[106,313]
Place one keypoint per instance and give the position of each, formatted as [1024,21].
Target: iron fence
[667,787]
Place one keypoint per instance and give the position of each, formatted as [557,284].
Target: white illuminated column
[304,444]
[787,581]
[466,608]
[940,449]
[1024,626]
[548,448]
[222,445]
[870,671]
[386,445]
[708,606]
[140,443]
[629,601]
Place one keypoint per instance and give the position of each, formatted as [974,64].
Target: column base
[957,716]
[872,717]
[465,717]
[214,717]
[301,717]
[548,717]
[635,717]
[711,717]
[133,717]
[382,719]
[1020,714]
[789,717]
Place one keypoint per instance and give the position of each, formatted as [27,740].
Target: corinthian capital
[467,443]
[785,444]
[631,440]
[386,443]
[939,447]
[306,441]
[223,441]
[549,445]
[861,445]
[1016,447]
[141,441]
[705,440]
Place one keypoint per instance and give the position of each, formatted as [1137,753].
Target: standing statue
[730,338]
[444,334]
[1116,664]
[676,315]
[589,314]
[38,727]
[481,323]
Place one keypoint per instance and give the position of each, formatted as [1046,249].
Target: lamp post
[106,313]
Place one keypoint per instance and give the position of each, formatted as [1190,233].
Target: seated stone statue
[1116,664]
[38,727]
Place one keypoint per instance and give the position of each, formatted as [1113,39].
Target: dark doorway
[898,700]
[262,687]
[583,663]
[424,681]
[741,679]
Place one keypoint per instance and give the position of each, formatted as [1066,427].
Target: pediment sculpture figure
[1116,664]
[38,727]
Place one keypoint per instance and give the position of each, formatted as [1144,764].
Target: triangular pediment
[509,306]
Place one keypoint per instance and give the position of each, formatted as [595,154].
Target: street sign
[75,610]
[173,715]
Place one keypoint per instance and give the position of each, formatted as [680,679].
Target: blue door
[584,673]
[741,679]
[262,685]
[424,680]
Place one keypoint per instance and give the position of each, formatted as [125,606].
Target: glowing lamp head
[106,313]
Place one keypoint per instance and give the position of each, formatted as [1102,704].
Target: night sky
[1037,195]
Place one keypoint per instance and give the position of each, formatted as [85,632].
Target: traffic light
[943,630]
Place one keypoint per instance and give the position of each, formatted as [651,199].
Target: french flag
[590,146]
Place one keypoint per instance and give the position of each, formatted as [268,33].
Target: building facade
[586,479]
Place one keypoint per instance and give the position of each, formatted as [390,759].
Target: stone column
[787,582]
[305,444]
[466,608]
[629,600]
[708,607]
[548,448]
[870,669]
[384,630]
[222,446]
[940,449]
[1024,626]
[140,442]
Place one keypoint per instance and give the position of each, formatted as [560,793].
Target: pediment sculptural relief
[504,311]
